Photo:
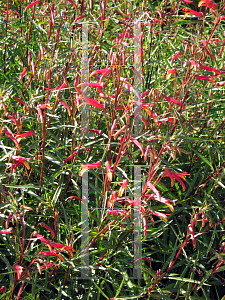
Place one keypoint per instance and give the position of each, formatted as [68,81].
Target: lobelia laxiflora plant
[47,146]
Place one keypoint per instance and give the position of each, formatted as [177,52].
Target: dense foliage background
[180,148]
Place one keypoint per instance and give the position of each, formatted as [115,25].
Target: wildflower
[108,170]
[175,57]
[21,160]
[192,12]
[117,212]
[91,84]
[90,101]
[146,152]
[209,69]
[138,145]
[119,131]
[99,71]
[31,4]
[209,78]
[66,106]
[52,253]
[3,289]
[111,200]
[164,200]
[40,112]
[12,137]
[170,119]
[191,232]
[19,270]
[25,134]
[113,127]
[7,220]
[48,228]
[194,64]
[207,3]
[159,214]
[70,1]
[177,176]
[5,231]
[23,74]
[89,166]
[174,101]
[123,186]
[174,70]
[40,237]
[153,188]
[59,88]
[61,246]
[145,225]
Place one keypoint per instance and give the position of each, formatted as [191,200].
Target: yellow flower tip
[26,165]
[170,206]
[83,171]
[164,218]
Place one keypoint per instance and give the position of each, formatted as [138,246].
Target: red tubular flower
[99,71]
[89,166]
[5,231]
[53,253]
[22,160]
[145,225]
[117,212]
[166,120]
[7,220]
[146,152]
[119,131]
[52,17]
[91,84]
[208,4]
[192,12]
[191,232]
[40,237]
[31,4]
[177,176]
[111,200]
[19,100]
[59,88]
[209,69]
[66,106]
[113,127]
[138,145]
[48,228]
[194,64]
[12,138]
[153,188]
[174,101]
[19,270]
[123,186]
[174,70]
[61,246]
[70,1]
[175,57]
[158,214]
[23,74]
[25,134]
[90,101]
[108,171]
[3,289]
[164,200]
